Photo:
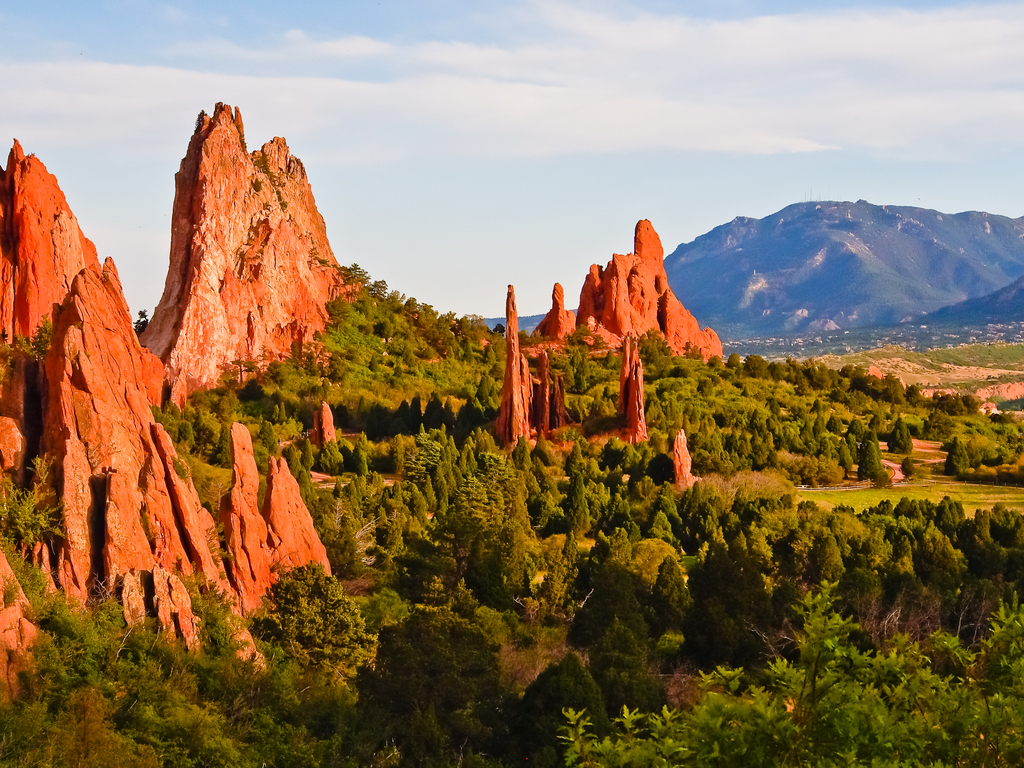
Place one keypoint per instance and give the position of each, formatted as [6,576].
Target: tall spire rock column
[682,462]
[251,269]
[514,416]
[42,247]
[631,391]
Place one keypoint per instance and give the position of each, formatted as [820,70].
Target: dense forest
[560,602]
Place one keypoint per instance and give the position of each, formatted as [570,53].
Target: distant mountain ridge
[820,266]
[1003,306]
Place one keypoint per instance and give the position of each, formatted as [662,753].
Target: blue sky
[455,147]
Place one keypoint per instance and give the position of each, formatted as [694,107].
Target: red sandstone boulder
[251,269]
[631,392]
[42,247]
[17,633]
[245,530]
[12,446]
[173,608]
[558,322]
[323,426]
[631,295]
[293,539]
[514,416]
[681,461]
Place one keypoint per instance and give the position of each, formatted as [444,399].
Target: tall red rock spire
[42,247]
[251,269]
[514,416]
[631,391]
[681,462]
[631,295]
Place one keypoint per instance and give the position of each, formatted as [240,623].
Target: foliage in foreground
[936,704]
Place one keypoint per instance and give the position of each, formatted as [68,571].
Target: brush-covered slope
[824,265]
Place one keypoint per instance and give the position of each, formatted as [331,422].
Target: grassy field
[972,496]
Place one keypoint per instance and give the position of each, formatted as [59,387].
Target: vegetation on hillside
[479,592]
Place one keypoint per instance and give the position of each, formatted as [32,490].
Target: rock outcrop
[245,530]
[292,537]
[558,322]
[631,392]
[20,412]
[261,544]
[514,415]
[631,295]
[682,463]
[17,633]
[130,509]
[251,269]
[323,426]
[42,247]
[548,400]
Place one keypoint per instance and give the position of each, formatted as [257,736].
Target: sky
[455,147]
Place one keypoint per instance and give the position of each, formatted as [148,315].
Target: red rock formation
[12,446]
[323,426]
[548,403]
[514,416]
[681,461]
[631,295]
[42,247]
[631,392]
[558,322]
[20,412]
[250,265]
[173,608]
[245,530]
[128,504]
[874,370]
[293,539]
[260,544]
[17,633]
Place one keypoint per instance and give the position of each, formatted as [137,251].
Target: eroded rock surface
[251,269]
[516,392]
[558,322]
[293,539]
[42,247]
[631,392]
[17,633]
[631,295]
[323,426]
[682,462]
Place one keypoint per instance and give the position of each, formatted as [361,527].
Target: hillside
[818,266]
[1002,306]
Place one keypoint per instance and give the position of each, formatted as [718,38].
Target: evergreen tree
[957,460]
[869,461]
[900,441]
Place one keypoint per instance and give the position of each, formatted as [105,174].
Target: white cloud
[572,80]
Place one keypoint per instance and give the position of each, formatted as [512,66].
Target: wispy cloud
[568,79]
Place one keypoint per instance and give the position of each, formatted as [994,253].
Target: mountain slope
[818,266]
[1003,306]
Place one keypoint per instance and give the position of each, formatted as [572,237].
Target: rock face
[42,247]
[17,633]
[323,426]
[245,531]
[293,539]
[260,544]
[548,402]
[631,392]
[631,295]
[129,506]
[558,322]
[250,265]
[514,416]
[681,461]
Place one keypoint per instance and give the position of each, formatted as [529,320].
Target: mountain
[1003,306]
[827,265]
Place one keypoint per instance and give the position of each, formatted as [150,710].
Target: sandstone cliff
[250,265]
[631,295]
[42,247]
[682,462]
